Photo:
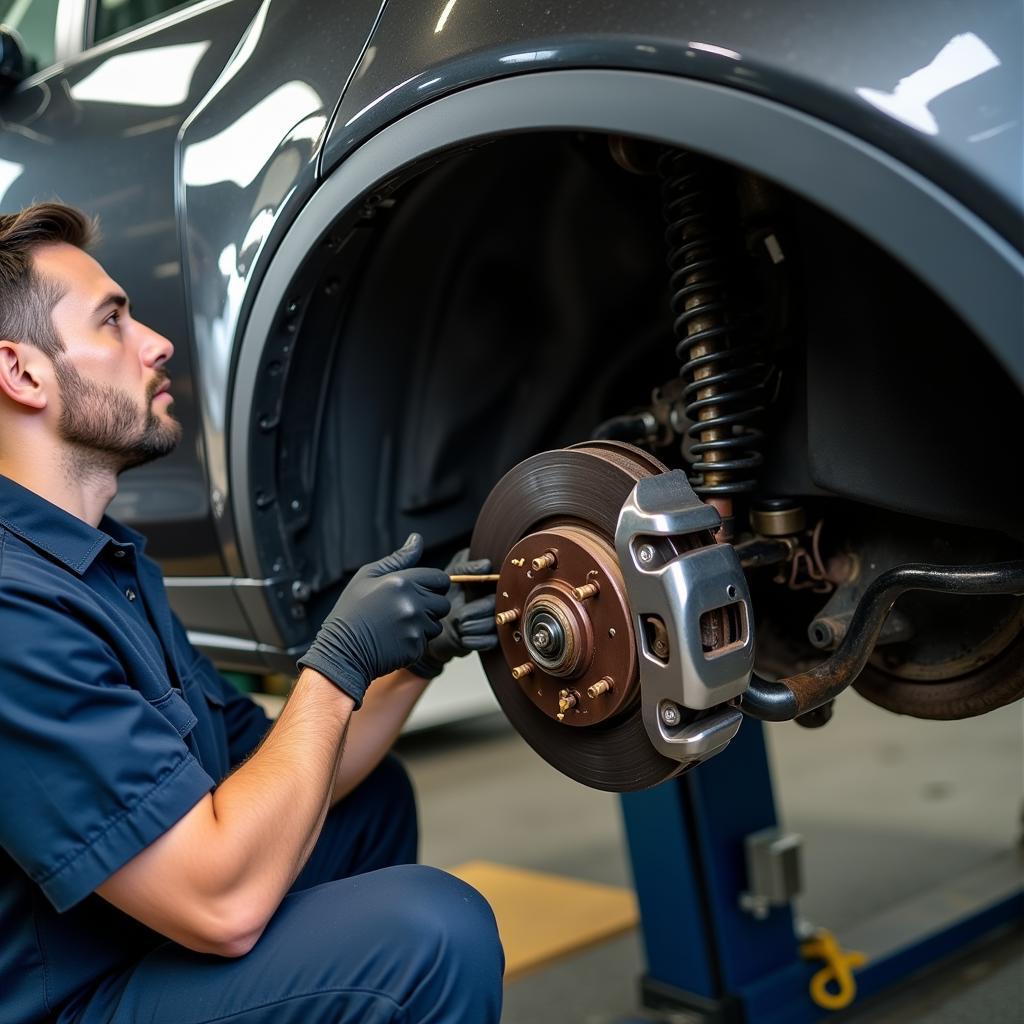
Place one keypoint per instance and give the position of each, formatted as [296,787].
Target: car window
[113,16]
[35,21]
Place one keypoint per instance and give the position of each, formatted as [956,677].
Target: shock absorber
[722,369]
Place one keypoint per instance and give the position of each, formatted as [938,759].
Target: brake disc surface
[562,639]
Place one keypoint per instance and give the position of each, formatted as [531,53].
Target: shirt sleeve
[245,722]
[91,772]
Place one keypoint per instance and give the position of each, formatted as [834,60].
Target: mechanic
[165,854]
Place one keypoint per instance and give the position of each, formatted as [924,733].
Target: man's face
[115,402]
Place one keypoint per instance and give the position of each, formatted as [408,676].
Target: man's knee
[448,929]
[437,903]
[406,943]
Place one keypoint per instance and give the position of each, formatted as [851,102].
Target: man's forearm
[274,805]
[235,855]
[375,727]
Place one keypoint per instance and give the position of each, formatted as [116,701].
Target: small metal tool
[469,578]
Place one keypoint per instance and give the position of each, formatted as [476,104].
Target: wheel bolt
[507,617]
[586,592]
[521,671]
[601,686]
[670,713]
[645,553]
[546,561]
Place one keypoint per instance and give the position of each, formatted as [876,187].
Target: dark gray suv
[401,247]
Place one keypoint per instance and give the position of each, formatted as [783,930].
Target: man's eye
[114,318]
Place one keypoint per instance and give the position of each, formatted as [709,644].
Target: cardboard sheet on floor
[542,917]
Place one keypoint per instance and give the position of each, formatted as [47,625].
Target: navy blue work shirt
[112,727]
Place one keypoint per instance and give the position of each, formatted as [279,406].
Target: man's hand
[383,621]
[469,626]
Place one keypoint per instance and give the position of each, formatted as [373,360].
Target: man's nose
[157,349]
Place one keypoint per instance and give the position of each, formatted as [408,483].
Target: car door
[95,127]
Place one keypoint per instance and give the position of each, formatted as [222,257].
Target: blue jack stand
[718,963]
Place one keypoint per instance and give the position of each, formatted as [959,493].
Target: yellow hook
[838,968]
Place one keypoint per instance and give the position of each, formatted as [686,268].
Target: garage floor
[888,807]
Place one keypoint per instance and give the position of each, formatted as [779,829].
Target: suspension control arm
[793,696]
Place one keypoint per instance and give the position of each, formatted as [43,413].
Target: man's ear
[20,377]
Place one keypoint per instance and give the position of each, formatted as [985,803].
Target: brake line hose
[796,695]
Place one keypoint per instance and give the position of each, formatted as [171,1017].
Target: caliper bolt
[645,553]
[507,617]
[546,561]
[601,686]
[670,713]
[520,671]
[586,592]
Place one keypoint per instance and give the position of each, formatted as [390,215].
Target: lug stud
[601,686]
[507,617]
[566,701]
[521,671]
[546,561]
[586,592]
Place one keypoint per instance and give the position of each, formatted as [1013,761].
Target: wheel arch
[950,248]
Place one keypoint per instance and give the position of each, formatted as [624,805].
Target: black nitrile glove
[469,626]
[382,621]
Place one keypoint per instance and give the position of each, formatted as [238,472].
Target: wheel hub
[568,620]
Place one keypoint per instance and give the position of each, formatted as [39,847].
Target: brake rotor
[566,672]
[959,673]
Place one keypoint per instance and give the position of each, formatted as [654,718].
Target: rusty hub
[574,624]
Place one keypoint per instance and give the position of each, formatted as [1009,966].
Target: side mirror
[14,65]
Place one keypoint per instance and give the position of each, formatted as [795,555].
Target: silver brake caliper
[688,675]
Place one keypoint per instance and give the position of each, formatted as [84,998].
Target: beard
[106,428]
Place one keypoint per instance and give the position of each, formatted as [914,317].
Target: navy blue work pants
[364,935]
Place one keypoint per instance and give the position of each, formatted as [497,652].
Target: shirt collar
[70,540]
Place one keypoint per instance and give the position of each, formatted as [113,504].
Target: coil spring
[724,374]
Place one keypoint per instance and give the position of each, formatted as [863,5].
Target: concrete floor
[889,807]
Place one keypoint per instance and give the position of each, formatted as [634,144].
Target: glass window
[35,21]
[113,16]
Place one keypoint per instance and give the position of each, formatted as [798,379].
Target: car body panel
[247,161]
[936,85]
[120,106]
[201,165]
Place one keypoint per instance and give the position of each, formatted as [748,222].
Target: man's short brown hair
[27,298]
